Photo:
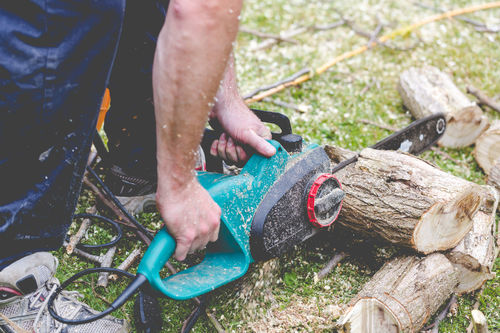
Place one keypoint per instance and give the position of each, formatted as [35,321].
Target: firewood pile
[446,222]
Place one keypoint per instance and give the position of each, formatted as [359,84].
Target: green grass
[335,102]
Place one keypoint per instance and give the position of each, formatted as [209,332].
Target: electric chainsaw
[272,205]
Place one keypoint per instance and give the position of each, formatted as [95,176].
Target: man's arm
[192,52]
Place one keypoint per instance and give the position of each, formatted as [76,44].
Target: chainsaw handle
[269,117]
[160,250]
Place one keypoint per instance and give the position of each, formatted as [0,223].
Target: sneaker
[25,288]
[137,193]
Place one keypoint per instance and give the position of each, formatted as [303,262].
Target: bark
[487,149]
[401,296]
[427,90]
[475,255]
[405,200]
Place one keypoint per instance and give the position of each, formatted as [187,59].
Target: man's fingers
[242,155]
[259,144]
[181,249]
[213,148]
[231,150]
[221,147]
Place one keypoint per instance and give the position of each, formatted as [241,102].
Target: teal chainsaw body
[239,197]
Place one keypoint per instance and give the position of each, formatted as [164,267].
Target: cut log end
[487,149]
[464,127]
[370,315]
[445,224]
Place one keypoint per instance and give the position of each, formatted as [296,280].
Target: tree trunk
[475,255]
[405,200]
[401,296]
[487,149]
[427,90]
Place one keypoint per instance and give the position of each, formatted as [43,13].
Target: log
[479,323]
[487,149]
[405,200]
[494,176]
[475,255]
[427,90]
[401,296]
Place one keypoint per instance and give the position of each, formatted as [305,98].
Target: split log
[475,255]
[427,90]
[401,296]
[487,149]
[405,200]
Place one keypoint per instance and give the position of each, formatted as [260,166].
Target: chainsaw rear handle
[269,117]
[160,250]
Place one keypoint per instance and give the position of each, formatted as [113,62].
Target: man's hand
[190,215]
[242,127]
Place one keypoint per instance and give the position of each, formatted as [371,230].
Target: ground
[283,295]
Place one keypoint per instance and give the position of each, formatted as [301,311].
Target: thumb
[258,143]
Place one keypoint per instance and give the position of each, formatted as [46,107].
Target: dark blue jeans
[55,63]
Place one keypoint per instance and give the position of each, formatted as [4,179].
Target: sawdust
[301,314]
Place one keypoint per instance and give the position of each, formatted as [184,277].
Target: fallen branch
[75,239]
[295,32]
[385,127]
[260,34]
[107,261]
[483,99]
[289,79]
[125,265]
[448,157]
[330,265]
[291,106]
[398,32]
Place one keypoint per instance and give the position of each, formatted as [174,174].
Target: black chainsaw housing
[281,221]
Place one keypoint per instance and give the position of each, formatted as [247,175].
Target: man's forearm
[192,53]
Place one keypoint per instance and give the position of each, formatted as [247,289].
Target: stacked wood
[475,255]
[401,296]
[487,150]
[427,90]
[405,200]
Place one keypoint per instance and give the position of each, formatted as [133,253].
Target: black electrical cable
[138,281]
[118,204]
[196,314]
[115,225]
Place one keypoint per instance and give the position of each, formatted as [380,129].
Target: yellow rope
[398,32]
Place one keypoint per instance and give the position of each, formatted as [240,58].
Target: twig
[107,261]
[479,322]
[448,157]
[260,34]
[386,127]
[278,102]
[12,324]
[294,32]
[291,78]
[434,327]
[86,255]
[374,34]
[479,26]
[338,257]
[368,86]
[483,99]
[125,265]
[75,239]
